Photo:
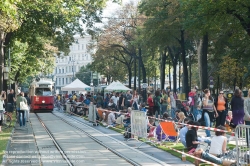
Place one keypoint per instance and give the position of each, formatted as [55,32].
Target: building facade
[67,66]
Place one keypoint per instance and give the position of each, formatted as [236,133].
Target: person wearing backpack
[157,104]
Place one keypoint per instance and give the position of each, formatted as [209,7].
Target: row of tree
[34,31]
[210,38]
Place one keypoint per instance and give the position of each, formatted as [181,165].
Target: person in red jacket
[151,105]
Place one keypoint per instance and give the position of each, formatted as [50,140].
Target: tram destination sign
[43,85]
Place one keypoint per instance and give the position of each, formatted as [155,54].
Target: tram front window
[43,92]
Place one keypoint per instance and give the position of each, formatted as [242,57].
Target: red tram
[41,95]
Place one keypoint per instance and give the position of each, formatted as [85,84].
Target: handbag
[23,106]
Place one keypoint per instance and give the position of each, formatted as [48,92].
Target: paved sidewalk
[21,148]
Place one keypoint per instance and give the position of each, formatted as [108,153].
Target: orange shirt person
[220,104]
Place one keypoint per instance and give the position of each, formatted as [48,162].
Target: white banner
[139,123]
[92,113]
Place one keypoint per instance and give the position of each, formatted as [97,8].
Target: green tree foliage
[85,74]
[44,28]
[231,72]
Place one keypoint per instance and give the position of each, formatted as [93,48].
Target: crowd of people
[9,102]
[198,109]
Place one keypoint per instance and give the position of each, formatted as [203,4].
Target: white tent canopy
[76,85]
[116,85]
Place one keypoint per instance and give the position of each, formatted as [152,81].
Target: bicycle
[6,120]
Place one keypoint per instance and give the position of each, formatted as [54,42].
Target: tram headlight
[43,101]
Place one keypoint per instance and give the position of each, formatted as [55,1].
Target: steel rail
[98,141]
[54,141]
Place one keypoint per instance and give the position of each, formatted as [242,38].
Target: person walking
[221,105]
[150,105]
[173,104]
[247,114]
[209,111]
[22,116]
[157,105]
[164,102]
[2,98]
[99,100]
[135,99]
[128,98]
[10,102]
[237,105]
[29,103]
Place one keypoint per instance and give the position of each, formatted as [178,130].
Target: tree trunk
[184,64]
[202,61]
[2,40]
[174,55]
[144,77]
[163,68]
[129,76]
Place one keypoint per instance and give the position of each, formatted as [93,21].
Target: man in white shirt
[111,118]
[114,98]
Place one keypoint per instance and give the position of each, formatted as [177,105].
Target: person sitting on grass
[181,116]
[176,119]
[184,131]
[192,138]
[120,118]
[217,148]
[111,118]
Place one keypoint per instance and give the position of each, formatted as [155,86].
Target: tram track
[64,155]
[98,141]
[101,143]
[54,141]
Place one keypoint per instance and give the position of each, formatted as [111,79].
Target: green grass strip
[5,136]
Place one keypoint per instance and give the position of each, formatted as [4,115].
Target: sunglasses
[221,93]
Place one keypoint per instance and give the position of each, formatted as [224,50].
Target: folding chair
[170,129]
[100,114]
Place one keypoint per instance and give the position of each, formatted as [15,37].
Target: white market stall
[76,85]
[116,86]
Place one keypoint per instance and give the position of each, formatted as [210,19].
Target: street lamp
[73,61]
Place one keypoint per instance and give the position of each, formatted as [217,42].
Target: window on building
[66,69]
[69,58]
[82,46]
[78,46]
[59,71]
[62,81]
[59,81]
[66,80]
[62,70]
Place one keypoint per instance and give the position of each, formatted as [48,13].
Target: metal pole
[91,78]
[73,70]
[139,75]
[9,67]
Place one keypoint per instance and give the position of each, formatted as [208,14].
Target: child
[229,121]
[142,106]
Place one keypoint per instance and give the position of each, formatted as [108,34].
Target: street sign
[144,85]
[87,89]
